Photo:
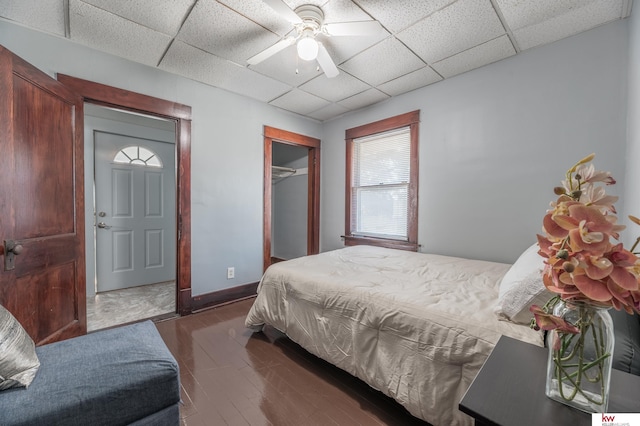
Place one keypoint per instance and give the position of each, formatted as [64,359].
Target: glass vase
[579,365]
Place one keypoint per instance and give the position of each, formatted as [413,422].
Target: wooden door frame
[109,96]
[272,135]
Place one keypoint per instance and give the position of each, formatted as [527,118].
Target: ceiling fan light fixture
[307,48]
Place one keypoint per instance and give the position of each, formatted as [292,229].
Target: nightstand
[509,390]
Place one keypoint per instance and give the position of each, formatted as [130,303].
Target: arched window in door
[137,155]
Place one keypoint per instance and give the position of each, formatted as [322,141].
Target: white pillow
[522,287]
[18,360]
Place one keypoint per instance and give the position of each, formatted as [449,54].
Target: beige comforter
[415,326]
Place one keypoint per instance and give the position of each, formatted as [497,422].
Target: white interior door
[135,211]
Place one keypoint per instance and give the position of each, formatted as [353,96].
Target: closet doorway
[291,195]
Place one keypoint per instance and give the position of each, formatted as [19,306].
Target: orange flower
[593,289]
[581,262]
[598,268]
[621,257]
[590,175]
[551,322]
[588,229]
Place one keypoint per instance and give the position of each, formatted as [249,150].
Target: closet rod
[283,169]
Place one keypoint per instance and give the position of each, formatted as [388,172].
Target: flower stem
[571,368]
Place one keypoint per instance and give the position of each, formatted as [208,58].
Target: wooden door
[41,202]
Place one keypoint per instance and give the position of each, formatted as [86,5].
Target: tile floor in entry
[118,307]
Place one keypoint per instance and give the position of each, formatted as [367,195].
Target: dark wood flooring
[231,376]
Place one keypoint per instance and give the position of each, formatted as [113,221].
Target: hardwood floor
[231,376]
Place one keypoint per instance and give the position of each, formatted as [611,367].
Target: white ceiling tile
[476,57]
[334,89]
[345,47]
[294,4]
[519,14]
[217,29]
[192,62]
[259,12]
[398,60]
[45,15]
[165,16]
[397,15]
[343,11]
[408,82]
[328,112]
[363,99]
[217,37]
[464,24]
[299,102]
[198,65]
[110,33]
[288,68]
[568,24]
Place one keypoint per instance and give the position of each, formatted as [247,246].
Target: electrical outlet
[231,272]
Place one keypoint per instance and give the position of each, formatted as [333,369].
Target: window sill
[380,242]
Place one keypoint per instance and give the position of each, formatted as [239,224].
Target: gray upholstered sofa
[120,376]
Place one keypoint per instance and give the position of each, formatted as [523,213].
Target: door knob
[11,249]
[103,225]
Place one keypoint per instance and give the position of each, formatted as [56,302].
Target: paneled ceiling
[419,42]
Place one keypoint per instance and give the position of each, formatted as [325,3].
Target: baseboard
[221,297]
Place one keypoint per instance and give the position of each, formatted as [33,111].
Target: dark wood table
[509,390]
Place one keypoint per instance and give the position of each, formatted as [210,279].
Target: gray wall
[495,141]
[226,152]
[632,179]
[289,203]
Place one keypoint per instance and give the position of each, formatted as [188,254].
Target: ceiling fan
[308,21]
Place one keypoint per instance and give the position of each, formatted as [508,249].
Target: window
[382,183]
[137,155]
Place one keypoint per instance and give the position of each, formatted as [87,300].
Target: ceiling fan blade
[270,51]
[281,7]
[364,28]
[326,63]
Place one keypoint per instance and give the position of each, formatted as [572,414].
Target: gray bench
[120,376]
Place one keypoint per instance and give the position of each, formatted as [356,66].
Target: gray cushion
[111,377]
[18,360]
[626,352]
[170,416]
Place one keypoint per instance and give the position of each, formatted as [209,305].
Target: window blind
[380,184]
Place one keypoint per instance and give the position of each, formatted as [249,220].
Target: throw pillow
[522,287]
[18,360]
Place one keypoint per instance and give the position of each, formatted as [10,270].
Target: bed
[415,326]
